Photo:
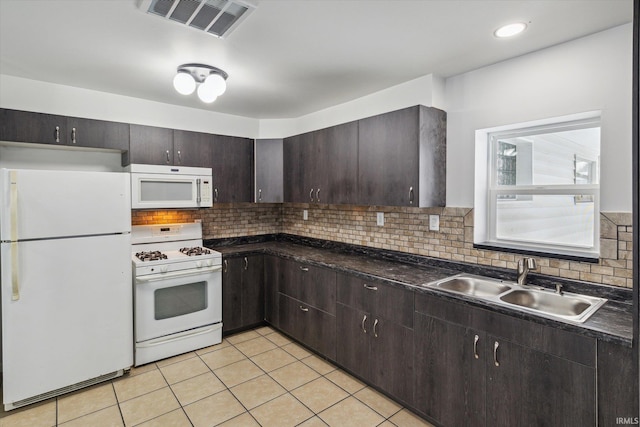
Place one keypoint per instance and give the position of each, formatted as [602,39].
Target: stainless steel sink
[564,306]
[468,284]
[567,306]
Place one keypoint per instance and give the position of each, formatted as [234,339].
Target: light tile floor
[255,378]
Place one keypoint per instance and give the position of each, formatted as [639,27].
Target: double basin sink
[559,305]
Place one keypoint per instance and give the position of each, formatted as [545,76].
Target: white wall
[32,95]
[589,74]
[426,90]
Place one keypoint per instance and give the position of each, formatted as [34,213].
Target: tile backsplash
[405,229]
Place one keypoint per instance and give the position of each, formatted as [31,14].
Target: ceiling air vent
[216,17]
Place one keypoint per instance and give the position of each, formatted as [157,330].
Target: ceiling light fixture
[212,81]
[510,30]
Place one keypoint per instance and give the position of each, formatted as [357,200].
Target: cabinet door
[24,126]
[449,378]
[392,358]
[232,165]
[318,288]
[291,277]
[336,164]
[150,145]
[318,330]
[290,316]
[232,293]
[529,387]
[352,344]
[97,134]
[192,148]
[269,171]
[295,162]
[388,159]
[271,289]
[252,290]
[617,383]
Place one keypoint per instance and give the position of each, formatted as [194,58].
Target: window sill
[523,251]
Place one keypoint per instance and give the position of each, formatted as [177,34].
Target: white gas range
[177,291]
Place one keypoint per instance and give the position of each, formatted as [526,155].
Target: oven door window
[180,300]
[166,191]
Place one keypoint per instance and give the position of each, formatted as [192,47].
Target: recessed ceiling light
[510,30]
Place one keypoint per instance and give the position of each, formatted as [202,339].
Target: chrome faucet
[524,265]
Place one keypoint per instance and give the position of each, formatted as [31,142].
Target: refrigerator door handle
[15,286]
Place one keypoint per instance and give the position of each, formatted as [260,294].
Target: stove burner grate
[195,251]
[150,256]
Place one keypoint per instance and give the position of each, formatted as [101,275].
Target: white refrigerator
[67,306]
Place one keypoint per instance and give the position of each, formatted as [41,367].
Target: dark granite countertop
[613,322]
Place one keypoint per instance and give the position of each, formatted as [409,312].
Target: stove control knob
[209,263]
[199,264]
[164,268]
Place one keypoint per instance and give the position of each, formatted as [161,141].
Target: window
[541,189]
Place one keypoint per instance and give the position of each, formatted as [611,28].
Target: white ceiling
[289,57]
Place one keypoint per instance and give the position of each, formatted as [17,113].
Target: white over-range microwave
[170,187]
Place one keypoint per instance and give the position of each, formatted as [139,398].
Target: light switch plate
[305,214]
[434,222]
[380,219]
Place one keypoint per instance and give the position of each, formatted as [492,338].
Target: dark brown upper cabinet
[39,128]
[161,146]
[321,166]
[402,158]
[233,171]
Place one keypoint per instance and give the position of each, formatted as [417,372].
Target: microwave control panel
[206,192]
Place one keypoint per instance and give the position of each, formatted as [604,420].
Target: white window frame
[485,233]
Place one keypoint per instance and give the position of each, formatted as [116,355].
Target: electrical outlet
[305,214]
[434,222]
[380,219]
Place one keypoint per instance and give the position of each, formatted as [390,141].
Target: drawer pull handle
[371,288]
[318,195]
[495,353]
[246,263]
[57,133]
[311,194]
[73,135]
[304,268]
[179,157]
[167,153]
[375,333]
[226,264]
[260,195]
[475,346]
[364,319]
[215,194]
[304,309]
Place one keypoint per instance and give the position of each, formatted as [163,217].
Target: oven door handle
[173,275]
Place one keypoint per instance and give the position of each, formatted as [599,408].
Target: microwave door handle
[198,197]
[163,276]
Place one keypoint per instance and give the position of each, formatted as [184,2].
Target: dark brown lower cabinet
[495,370]
[449,372]
[242,292]
[617,385]
[314,327]
[271,290]
[377,350]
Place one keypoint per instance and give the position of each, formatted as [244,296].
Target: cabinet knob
[57,134]
[73,135]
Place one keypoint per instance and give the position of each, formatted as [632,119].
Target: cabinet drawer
[315,328]
[315,286]
[374,296]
